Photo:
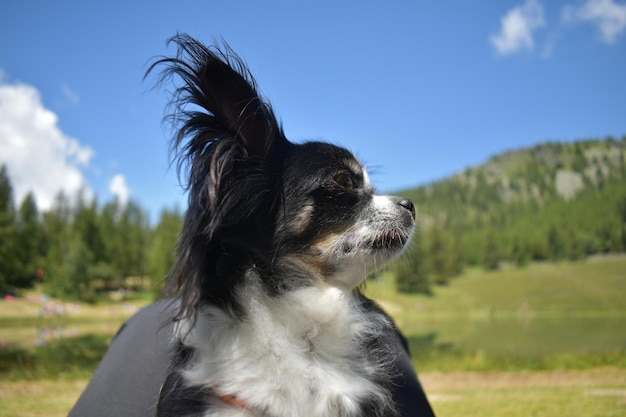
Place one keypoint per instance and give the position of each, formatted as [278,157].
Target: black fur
[231,147]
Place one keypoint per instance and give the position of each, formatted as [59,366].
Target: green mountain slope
[552,201]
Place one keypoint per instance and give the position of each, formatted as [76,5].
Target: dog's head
[299,214]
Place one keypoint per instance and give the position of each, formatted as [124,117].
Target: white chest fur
[300,354]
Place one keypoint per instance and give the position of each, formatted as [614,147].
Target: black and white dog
[276,240]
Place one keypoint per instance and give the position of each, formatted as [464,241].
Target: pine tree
[161,251]
[491,258]
[438,254]
[57,234]
[88,230]
[30,241]
[411,271]
[86,227]
[457,258]
[9,261]
[520,253]
[556,244]
[129,244]
[76,265]
[621,209]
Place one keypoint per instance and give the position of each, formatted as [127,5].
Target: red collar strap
[234,401]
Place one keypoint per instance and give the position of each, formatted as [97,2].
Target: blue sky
[418,90]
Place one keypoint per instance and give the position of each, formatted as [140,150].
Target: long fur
[275,242]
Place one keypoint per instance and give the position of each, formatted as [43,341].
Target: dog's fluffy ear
[217,109]
[220,84]
[228,148]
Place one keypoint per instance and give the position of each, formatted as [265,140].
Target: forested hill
[551,201]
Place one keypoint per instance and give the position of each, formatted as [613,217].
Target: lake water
[528,338]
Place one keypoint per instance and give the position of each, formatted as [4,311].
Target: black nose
[408,204]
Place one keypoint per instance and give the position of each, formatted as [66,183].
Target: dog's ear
[219,83]
[217,109]
[229,147]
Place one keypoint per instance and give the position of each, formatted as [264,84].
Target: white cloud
[608,15]
[69,94]
[517,28]
[40,158]
[118,187]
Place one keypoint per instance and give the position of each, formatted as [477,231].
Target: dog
[276,242]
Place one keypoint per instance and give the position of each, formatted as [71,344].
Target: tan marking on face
[326,244]
[307,262]
[319,256]
[302,220]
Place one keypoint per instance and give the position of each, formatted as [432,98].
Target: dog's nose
[408,204]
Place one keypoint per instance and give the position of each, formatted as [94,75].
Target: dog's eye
[344,180]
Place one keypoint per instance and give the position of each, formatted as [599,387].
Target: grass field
[589,393]
[547,340]
[542,317]
[599,393]
[585,288]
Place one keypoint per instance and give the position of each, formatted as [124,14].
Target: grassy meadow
[545,340]
[541,317]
